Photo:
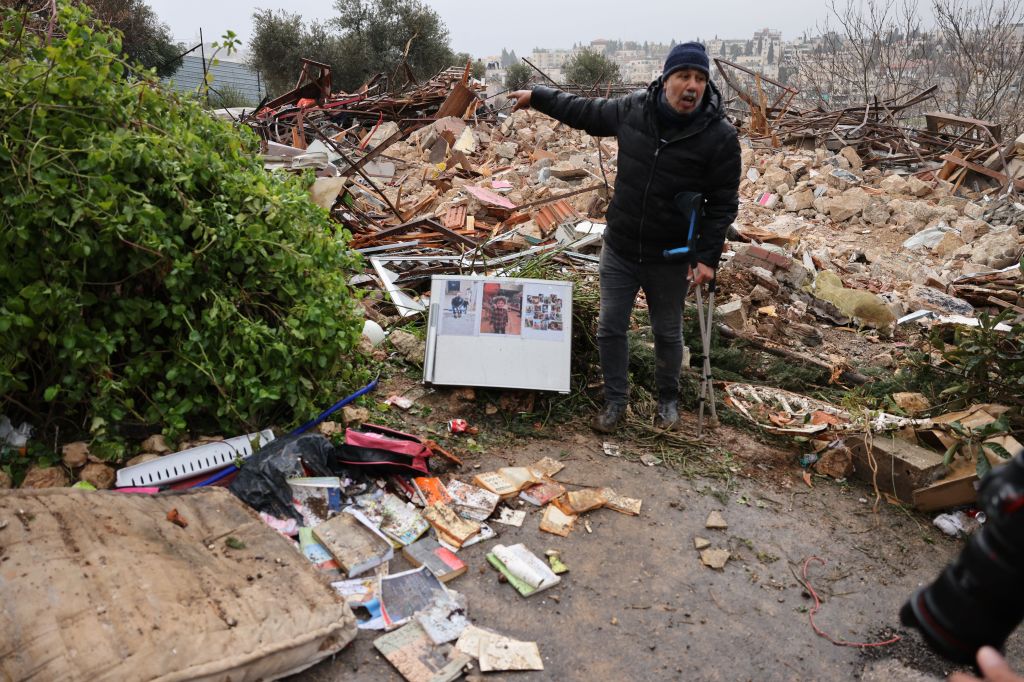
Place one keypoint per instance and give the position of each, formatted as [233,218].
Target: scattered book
[472,502]
[402,521]
[403,594]
[556,521]
[620,503]
[417,658]
[362,596]
[354,542]
[316,498]
[580,501]
[318,554]
[522,568]
[542,493]
[511,517]
[496,483]
[486,533]
[449,526]
[520,477]
[547,467]
[498,652]
[397,519]
[440,561]
[432,490]
[445,618]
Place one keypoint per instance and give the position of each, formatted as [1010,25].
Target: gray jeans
[664,286]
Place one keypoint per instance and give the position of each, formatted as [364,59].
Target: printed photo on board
[501,309]
[458,308]
[543,313]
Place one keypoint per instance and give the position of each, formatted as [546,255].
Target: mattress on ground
[102,586]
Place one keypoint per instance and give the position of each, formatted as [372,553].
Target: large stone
[894,184]
[732,314]
[971,229]
[851,155]
[844,207]
[950,242]
[835,462]
[142,459]
[381,133]
[764,278]
[774,176]
[408,346]
[45,477]
[842,179]
[75,454]
[100,475]
[759,294]
[911,403]
[918,187]
[923,297]
[156,444]
[353,414]
[798,200]
[876,212]
[997,249]
[505,150]
[747,157]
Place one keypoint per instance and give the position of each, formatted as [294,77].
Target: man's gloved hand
[702,275]
[522,98]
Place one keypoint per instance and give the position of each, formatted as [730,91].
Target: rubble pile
[433,181]
[833,241]
[476,189]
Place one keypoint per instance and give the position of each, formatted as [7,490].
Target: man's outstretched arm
[598,116]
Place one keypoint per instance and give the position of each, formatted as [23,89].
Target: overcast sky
[483,28]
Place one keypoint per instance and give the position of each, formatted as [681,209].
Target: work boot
[668,415]
[607,420]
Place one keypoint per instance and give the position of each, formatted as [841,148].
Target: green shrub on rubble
[151,270]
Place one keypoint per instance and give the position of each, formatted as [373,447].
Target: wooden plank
[948,166]
[981,170]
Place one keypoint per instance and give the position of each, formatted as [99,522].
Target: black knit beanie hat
[686,56]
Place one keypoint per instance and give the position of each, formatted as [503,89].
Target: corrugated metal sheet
[240,77]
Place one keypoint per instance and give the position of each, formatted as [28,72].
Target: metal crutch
[707,389]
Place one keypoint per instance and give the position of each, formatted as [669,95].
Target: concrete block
[903,467]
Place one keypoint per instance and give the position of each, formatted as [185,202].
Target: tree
[984,60]
[864,54]
[479,70]
[587,68]
[154,272]
[518,76]
[367,37]
[144,38]
[278,42]
[385,29]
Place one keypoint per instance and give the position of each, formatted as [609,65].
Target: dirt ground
[638,604]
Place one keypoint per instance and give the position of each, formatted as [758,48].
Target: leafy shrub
[983,363]
[152,271]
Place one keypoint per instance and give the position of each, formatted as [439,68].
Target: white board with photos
[499,332]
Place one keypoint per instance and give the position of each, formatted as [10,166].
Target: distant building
[229,73]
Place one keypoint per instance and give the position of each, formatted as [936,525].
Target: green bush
[152,271]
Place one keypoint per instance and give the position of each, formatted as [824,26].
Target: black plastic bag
[262,482]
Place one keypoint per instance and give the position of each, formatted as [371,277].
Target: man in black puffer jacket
[673,138]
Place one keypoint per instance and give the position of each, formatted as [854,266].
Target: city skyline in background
[529,24]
